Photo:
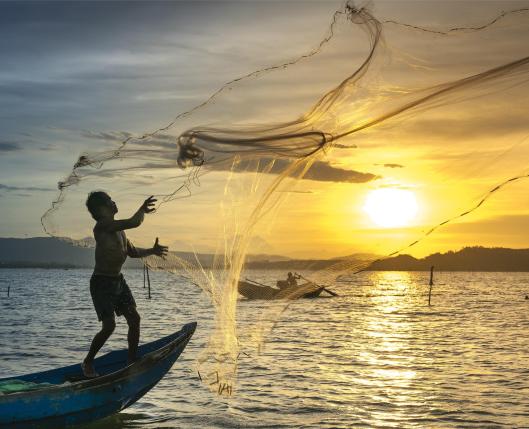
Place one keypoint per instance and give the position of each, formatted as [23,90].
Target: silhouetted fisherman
[292,279]
[110,293]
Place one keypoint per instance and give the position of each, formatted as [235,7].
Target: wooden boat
[66,398]
[255,291]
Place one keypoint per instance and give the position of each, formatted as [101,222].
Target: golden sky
[89,92]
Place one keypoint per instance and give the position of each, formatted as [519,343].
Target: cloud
[344,146]
[23,188]
[320,171]
[9,146]
[113,136]
[325,172]
[48,148]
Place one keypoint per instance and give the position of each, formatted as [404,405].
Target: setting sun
[390,208]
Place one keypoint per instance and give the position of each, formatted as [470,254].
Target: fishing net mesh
[233,169]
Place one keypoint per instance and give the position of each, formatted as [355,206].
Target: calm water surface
[376,356]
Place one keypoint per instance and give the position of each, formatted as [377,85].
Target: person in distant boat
[292,280]
[110,293]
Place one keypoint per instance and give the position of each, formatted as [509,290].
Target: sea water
[377,356]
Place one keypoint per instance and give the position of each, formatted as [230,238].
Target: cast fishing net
[271,151]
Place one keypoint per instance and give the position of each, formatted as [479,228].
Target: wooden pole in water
[148,280]
[8,289]
[431,284]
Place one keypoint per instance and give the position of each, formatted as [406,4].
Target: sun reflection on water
[385,358]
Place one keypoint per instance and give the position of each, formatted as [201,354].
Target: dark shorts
[110,295]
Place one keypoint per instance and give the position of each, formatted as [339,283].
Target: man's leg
[133,320]
[99,340]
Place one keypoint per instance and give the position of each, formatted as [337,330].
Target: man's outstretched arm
[138,252]
[133,222]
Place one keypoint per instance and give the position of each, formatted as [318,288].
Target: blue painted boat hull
[72,400]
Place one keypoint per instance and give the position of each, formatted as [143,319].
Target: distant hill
[260,257]
[40,251]
[49,252]
[466,259]
[307,264]
[291,264]
[365,257]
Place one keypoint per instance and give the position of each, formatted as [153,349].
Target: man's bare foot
[89,370]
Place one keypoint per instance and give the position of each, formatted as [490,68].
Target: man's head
[100,205]
[290,274]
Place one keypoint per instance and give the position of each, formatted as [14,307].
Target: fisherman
[292,280]
[109,290]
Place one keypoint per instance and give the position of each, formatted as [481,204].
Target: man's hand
[148,205]
[159,250]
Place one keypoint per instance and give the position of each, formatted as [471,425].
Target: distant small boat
[66,398]
[252,290]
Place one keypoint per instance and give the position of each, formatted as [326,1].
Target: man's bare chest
[116,241]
